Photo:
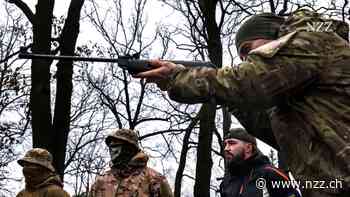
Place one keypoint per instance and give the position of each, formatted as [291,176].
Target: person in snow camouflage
[249,173]
[40,177]
[129,175]
[297,68]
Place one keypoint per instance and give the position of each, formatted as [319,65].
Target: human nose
[226,147]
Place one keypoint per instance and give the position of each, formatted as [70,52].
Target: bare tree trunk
[40,104]
[208,111]
[47,134]
[204,159]
[183,156]
[226,124]
[64,88]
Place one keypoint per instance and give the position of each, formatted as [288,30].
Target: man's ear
[248,148]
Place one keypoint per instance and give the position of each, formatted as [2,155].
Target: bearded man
[248,171]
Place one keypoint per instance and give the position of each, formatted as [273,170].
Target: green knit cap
[264,25]
[240,134]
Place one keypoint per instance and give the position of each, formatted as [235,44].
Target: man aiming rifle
[299,71]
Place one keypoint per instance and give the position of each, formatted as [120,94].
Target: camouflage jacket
[51,187]
[137,180]
[304,76]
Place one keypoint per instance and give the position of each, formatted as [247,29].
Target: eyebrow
[230,140]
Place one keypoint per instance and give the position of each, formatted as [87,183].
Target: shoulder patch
[270,49]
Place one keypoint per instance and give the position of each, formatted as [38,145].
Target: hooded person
[129,174]
[41,179]
[246,167]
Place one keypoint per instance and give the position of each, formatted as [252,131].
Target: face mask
[115,151]
[34,175]
[121,153]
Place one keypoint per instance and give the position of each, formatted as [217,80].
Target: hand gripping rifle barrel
[131,63]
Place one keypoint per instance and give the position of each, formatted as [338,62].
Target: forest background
[69,107]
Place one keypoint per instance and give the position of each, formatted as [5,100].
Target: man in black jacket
[248,172]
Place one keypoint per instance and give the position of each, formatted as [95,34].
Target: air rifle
[131,63]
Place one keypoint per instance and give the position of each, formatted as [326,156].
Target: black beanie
[240,134]
[265,25]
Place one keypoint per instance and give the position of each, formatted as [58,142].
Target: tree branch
[25,9]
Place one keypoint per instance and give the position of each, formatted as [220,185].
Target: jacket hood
[139,160]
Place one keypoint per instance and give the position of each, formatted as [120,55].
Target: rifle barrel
[132,65]
[65,57]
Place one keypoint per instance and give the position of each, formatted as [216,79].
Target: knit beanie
[240,134]
[264,25]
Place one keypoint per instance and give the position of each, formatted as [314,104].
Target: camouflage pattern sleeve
[158,184]
[245,86]
[165,189]
[198,85]
[266,79]
[104,185]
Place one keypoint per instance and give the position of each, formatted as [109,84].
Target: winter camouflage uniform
[50,184]
[304,76]
[136,179]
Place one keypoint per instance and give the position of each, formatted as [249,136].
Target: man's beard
[235,161]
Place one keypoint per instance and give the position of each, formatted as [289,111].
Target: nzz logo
[319,26]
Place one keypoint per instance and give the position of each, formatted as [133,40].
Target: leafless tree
[51,132]
[14,92]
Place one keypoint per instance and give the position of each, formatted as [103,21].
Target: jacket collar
[253,162]
[51,180]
